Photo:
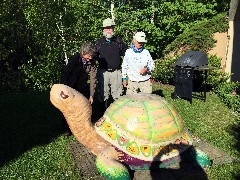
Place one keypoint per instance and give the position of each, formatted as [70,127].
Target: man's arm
[93,78]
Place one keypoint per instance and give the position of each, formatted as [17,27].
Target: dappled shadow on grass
[27,120]
[235,131]
[158,92]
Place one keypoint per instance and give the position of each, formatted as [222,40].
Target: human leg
[116,84]
[146,86]
[103,87]
[132,87]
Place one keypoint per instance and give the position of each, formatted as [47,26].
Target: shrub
[199,36]
[11,81]
[226,91]
[164,72]
[217,76]
[218,81]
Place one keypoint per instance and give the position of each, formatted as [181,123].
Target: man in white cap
[109,50]
[137,66]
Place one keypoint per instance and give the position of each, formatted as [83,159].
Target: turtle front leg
[110,167]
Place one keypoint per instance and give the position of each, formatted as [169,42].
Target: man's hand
[124,83]
[143,70]
[91,100]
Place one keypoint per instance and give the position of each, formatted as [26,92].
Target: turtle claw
[120,156]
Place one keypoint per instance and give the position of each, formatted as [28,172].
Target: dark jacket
[109,53]
[75,74]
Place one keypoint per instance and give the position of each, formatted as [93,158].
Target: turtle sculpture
[142,131]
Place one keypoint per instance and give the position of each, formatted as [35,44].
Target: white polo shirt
[133,62]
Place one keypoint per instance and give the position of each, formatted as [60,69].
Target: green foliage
[216,76]
[199,36]
[164,71]
[41,76]
[58,28]
[162,21]
[42,34]
[218,80]
[226,91]
[15,42]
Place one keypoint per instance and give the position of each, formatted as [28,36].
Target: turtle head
[64,97]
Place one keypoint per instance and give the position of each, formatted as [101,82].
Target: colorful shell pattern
[144,126]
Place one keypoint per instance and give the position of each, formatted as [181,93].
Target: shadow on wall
[234,19]
[235,131]
[236,53]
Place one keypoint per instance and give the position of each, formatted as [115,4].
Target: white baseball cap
[140,37]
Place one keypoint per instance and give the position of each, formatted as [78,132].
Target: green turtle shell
[143,125]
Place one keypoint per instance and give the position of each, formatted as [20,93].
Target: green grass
[33,146]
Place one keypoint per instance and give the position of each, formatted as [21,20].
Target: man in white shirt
[137,66]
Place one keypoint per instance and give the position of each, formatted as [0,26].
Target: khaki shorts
[109,83]
[142,86]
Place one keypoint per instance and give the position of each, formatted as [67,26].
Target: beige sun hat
[108,22]
[140,37]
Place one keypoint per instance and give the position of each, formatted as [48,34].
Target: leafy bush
[164,72]
[218,80]
[40,76]
[162,21]
[216,76]
[226,91]
[199,36]
[11,81]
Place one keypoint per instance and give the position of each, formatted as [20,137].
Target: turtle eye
[64,96]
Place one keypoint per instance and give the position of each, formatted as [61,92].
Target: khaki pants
[142,86]
[109,82]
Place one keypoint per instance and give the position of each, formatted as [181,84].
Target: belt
[110,70]
[141,81]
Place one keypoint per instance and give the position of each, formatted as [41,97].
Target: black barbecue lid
[193,59]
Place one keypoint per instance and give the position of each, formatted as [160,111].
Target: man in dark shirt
[79,67]
[109,50]
[76,73]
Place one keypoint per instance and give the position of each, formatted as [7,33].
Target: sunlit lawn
[33,146]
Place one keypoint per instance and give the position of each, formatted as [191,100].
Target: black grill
[194,59]
[190,75]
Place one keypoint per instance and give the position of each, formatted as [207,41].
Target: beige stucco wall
[227,48]
[220,48]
